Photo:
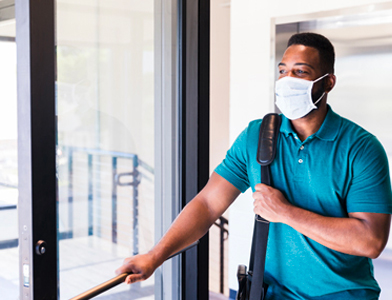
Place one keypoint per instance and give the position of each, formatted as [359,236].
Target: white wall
[219,119]
[220,81]
[250,89]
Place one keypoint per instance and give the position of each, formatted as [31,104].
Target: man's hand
[270,203]
[141,267]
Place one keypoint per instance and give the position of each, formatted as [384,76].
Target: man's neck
[310,124]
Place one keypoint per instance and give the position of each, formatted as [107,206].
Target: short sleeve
[234,167]
[370,189]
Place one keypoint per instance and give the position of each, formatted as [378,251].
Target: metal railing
[224,234]
[9,243]
[107,285]
[117,180]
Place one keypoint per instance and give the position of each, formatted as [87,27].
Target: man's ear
[330,82]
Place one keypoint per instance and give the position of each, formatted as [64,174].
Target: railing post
[135,205]
[69,234]
[90,195]
[223,230]
[114,200]
[222,254]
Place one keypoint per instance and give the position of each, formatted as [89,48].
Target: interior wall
[219,119]
[251,89]
[220,81]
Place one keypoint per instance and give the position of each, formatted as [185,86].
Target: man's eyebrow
[297,64]
[304,64]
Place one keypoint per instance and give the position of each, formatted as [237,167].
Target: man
[331,199]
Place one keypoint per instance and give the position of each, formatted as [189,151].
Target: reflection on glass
[9,255]
[105,150]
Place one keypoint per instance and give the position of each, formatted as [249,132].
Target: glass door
[9,258]
[105,141]
[108,141]
[98,143]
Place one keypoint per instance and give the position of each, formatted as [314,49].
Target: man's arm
[361,234]
[190,225]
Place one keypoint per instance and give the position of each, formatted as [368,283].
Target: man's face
[301,62]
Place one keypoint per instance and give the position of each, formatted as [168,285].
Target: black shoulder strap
[268,136]
[266,152]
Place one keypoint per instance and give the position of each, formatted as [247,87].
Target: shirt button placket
[301,169]
[300,160]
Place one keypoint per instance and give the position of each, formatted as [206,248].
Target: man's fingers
[121,270]
[133,278]
[260,186]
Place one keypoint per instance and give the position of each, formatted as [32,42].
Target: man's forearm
[191,224]
[196,218]
[362,234]
[348,235]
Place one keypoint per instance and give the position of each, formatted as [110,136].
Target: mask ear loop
[318,100]
[318,79]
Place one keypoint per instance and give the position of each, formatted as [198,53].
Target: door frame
[195,133]
[188,153]
[37,203]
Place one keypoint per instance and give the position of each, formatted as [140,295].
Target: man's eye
[282,71]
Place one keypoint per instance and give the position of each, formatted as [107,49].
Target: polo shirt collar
[328,130]
[286,127]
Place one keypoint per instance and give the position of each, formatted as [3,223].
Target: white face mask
[294,96]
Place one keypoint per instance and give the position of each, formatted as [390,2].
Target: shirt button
[300,161]
[302,147]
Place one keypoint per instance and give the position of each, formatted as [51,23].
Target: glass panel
[105,108]
[9,255]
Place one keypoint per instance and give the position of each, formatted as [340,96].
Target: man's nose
[291,74]
[285,74]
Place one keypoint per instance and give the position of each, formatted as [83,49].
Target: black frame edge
[194,57]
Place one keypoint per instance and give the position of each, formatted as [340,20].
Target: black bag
[251,283]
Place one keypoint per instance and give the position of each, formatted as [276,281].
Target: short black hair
[319,42]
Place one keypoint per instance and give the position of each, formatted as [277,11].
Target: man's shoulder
[353,131]
[254,125]
[252,130]
[355,139]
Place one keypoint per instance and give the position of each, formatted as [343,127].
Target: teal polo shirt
[340,169]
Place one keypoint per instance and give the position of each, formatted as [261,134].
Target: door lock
[40,247]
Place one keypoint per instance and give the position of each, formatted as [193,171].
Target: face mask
[294,96]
